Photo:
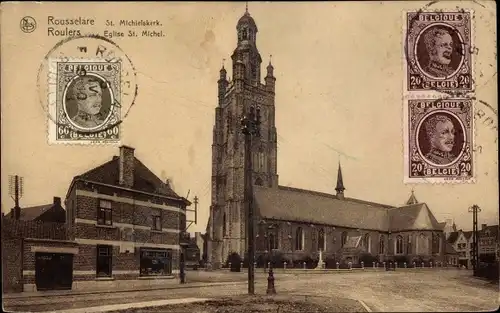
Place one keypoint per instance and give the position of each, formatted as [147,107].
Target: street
[410,291]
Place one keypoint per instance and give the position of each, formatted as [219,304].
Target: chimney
[57,201]
[483,226]
[12,214]
[17,212]
[126,166]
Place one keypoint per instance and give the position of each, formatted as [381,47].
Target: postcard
[249,156]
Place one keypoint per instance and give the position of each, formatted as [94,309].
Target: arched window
[422,244]
[272,241]
[381,245]
[343,238]
[224,225]
[244,34]
[435,243]
[299,239]
[321,240]
[408,245]
[259,182]
[229,122]
[399,244]
[367,242]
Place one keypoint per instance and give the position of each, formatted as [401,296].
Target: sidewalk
[116,290]
[125,306]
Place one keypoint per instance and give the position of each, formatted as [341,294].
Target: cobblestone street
[418,291]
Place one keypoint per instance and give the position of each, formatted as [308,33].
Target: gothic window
[272,239]
[399,244]
[299,239]
[381,246]
[261,160]
[259,182]
[408,245]
[435,243]
[422,244]
[367,242]
[321,240]
[343,238]
[229,122]
[253,68]
[244,34]
[224,224]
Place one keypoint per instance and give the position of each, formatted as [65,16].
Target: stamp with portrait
[87,85]
[439,141]
[87,100]
[438,51]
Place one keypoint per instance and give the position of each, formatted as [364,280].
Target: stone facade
[236,98]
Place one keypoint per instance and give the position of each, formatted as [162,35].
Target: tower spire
[412,199]
[246,7]
[340,183]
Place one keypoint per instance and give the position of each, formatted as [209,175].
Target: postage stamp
[87,86]
[87,100]
[439,141]
[438,48]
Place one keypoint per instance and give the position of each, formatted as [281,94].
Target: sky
[339,72]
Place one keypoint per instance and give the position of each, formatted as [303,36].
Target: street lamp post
[475,252]
[250,126]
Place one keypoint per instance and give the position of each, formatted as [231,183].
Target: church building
[296,223]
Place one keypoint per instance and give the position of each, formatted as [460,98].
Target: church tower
[235,98]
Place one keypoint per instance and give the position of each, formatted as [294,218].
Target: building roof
[491,230]
[31,213]
[413,217]
[442,225]
[292,204]
[453,237]
[448,249]
[467,234]
[144,179]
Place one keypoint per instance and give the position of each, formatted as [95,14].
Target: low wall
[351,270]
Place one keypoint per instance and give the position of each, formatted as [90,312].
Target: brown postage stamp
[439,141]
[438,49]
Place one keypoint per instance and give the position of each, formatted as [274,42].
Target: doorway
[53,271]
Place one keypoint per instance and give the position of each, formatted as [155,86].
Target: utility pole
[475,241]
[16,184]
[184,239]
[250,127]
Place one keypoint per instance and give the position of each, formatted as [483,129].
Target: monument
[321,264]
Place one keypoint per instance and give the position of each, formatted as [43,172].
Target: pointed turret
[340,184]
[412,199]
[270,79]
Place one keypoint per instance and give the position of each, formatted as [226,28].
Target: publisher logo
[28,24]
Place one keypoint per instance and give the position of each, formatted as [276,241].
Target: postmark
[439,140]
[438,51]
[87,85]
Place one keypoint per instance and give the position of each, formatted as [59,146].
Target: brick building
[126,221]
[294,222]
[53,212]
[36,253]
[488,243]
[462,243]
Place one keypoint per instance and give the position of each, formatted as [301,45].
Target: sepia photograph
[233,157]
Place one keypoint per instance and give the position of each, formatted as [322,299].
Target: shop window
[155,262]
